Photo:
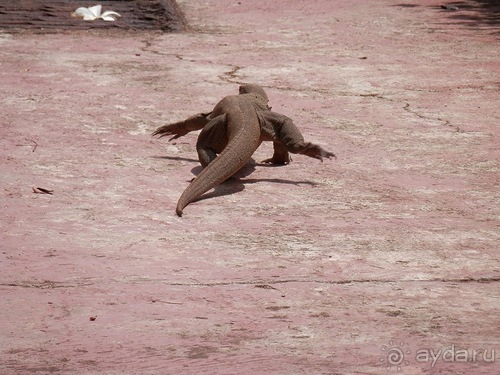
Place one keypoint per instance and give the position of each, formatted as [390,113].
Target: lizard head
[248,88]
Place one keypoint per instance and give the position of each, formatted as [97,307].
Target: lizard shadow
[176,158]
[236,183]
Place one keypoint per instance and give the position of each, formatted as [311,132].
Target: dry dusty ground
[311,268]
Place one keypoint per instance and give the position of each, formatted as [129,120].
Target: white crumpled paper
[94,13]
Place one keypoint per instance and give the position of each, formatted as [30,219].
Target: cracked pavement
[311,268]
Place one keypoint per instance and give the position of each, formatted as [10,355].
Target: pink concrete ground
[313,268]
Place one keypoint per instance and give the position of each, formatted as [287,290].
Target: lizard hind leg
[181,128]
[212,140]
[206,156]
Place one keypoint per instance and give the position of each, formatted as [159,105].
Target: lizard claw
[314,151]
[327,155]
[276,161]
[172,129]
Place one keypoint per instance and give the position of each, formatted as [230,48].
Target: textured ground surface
[311,268]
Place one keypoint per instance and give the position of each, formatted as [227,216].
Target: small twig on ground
[39,190]
[29,140]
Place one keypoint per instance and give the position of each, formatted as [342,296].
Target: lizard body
[230,135]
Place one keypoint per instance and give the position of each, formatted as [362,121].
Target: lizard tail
[236,154]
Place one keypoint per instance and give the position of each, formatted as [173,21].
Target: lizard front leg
[280,155]
[288,138]
[181,128]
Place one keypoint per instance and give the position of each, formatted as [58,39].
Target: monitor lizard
[231,133]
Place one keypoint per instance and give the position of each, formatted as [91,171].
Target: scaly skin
[233,131]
